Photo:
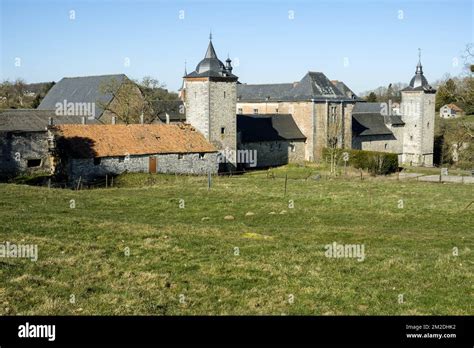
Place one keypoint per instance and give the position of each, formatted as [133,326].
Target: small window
[255,111]
[279,146]
[276,111]
[121,159]
[386,146]
[271,147]
[222,130]
[292,147]
[180,156]
[97,161]
[411,137]
[224,94]
[31,163]
[428,125]
[201,155]
[239,111]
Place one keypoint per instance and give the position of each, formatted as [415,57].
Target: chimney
[167,118]
[83,119]
[50,121]
[114,121]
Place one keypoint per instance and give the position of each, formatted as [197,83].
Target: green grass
[191,251]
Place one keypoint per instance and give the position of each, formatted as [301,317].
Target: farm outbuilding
[24,140]
[91,151]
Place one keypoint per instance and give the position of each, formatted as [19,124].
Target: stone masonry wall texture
[193,163]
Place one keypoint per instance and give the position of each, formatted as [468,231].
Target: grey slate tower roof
[211,66]
[270,127]
[419,81]
[84,89]
[314,85]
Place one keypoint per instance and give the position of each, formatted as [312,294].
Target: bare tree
[334,140]
[127,103]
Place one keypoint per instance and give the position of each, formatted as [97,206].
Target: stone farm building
[24,140]
[90,151]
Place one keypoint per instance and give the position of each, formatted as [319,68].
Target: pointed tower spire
[419,67]
[210,53]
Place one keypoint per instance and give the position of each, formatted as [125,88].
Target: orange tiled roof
[133,139]
[454,107]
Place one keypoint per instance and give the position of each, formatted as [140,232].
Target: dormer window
[255,111]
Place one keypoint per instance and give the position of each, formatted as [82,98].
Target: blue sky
[363,43]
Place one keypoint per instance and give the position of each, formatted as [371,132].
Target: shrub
[377,163]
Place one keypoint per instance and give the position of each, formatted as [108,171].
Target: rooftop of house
[33,120]
[454,107]
[83,89]
[269,127]
[313,86]
[86,141]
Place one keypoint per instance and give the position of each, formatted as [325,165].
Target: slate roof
[419,81]
[269,127]
[84,89]
[314,85]
[211,66]
[367,108]
[85,141]
[367,119]
[369,124]
[33,120]
[172,108]
[344,89]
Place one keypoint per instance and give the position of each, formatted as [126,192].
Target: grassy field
[190,260]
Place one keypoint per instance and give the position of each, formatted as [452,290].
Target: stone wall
[382,143]
[418,139]
[311,118]
[20,150]
[210,108]
[192,163]
[223,121]
[197,105]
[276,153]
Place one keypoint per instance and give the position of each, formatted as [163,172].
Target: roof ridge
[81,77]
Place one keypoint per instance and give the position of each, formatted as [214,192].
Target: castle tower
[418,113]
[210,99]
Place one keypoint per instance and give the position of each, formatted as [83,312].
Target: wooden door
[152,164]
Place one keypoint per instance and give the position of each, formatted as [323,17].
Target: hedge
[377,163]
